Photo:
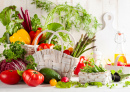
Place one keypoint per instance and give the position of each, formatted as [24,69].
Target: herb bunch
[14,51]
[31,64]
[81,45]
[44,5]
[35,22]
[69,16]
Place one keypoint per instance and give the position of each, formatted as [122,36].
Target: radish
[65,79]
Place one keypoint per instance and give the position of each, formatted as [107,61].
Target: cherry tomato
[32,77]
[120,63]
[44,46]
[39,28]
[70,49]
[67,52]
[10,77]
[127,65]
[108,64]
[53,82]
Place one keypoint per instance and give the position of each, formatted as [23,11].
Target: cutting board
[105,39]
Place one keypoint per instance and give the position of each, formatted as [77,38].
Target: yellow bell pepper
[22,36]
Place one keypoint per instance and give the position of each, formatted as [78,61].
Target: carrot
[37,33]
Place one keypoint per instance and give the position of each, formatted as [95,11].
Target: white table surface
[22,87]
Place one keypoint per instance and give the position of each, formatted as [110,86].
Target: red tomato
[67,52]
[43,46]
[71,50]
[32,77]
[120,63]
[10,77]
[39,28]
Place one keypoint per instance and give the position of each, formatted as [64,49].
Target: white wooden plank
[94,7]
[81,2]
[124,24]
[19,4]
[111,6]
[44,13]
[69,2]
[32,9]
[105,39]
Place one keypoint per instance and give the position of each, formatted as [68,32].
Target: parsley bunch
[31,64]
[35,22]
[14,51]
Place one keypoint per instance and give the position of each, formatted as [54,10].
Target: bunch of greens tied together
[91,67]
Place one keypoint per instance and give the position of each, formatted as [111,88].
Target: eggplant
[118,77]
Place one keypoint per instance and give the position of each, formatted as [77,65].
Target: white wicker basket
[104,77]
[125,70]
[62,63]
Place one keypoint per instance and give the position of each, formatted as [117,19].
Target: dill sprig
[69,16]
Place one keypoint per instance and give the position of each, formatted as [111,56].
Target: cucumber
[49,74]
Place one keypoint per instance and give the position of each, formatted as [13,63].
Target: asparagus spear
[86,50]
[82,47]
[77,47]
[74,49]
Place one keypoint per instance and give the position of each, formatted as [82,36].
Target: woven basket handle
[54,33]
[117,58]
[63,32]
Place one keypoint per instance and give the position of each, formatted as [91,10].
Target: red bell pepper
[34,34]
[80,65]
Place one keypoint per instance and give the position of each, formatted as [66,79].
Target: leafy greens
[69,16]
[9,18]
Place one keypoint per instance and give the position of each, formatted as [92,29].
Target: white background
[119,8]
